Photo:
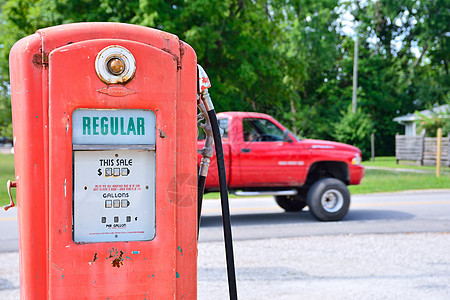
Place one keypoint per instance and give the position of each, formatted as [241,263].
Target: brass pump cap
[116,66]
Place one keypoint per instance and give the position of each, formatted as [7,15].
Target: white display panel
[114,196]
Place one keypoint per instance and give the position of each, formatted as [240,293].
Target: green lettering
[131,127]
[95,126]
[86,126]
[140,126]
[104,125]
[122,127]
[114,125]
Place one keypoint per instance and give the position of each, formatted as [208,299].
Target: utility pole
[355,76]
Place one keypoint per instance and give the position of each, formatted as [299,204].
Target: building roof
[411,117]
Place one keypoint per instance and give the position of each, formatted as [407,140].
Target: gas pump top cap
[115,64]
[203,79]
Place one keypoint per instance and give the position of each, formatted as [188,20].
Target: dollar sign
[99,172]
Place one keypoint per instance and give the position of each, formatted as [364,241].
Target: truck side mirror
[286,137]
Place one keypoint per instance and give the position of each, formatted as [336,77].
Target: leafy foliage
[5,116]
[355,129]
[434,121]
[288,58]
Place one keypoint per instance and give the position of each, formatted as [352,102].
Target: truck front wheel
[290,203]
[328,199]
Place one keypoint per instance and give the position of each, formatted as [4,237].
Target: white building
[410,119]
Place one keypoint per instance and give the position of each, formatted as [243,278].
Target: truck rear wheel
[290,203]
[328,199]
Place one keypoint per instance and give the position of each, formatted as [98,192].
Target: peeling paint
[57,267]
[178,275]
[118,261]
[116,91]
[68,124]
[37,60]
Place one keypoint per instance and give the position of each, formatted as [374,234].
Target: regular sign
[113,127]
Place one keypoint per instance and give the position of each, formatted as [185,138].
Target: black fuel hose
[225,205]
[200,191]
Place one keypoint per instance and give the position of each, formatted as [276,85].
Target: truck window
[223,124]
[261,130]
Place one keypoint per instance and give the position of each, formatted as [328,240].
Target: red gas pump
[104,119]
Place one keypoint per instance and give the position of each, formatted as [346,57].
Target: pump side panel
[30,120]
[118,270]
[186,195]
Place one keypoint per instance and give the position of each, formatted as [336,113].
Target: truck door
[265,158]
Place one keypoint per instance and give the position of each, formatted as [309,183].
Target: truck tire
[290,203]
[328,199]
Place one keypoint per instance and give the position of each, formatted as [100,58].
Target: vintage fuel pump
[104,118]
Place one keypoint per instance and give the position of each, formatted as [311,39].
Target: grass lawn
[374,181]
[390,162]
[6,173]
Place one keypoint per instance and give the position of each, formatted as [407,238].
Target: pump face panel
[113,190]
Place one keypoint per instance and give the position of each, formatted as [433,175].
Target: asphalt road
[402,212]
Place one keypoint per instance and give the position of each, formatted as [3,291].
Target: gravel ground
[9,276]
[372,266]
[382,266]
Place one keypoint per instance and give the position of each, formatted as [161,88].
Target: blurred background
[293,59]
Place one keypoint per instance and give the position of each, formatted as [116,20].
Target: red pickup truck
[262,157]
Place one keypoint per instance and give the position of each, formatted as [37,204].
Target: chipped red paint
[116,91]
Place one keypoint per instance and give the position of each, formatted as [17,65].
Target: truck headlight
[356,160]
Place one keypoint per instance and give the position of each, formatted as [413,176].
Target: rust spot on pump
[40,60]
[117,262]
[44,59]
[116,91]
[37,60]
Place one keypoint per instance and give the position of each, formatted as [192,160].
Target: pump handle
[10,184]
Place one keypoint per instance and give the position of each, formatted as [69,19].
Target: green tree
[289,58]
[354,129]
[403,60]
[308,47]
[5,116]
